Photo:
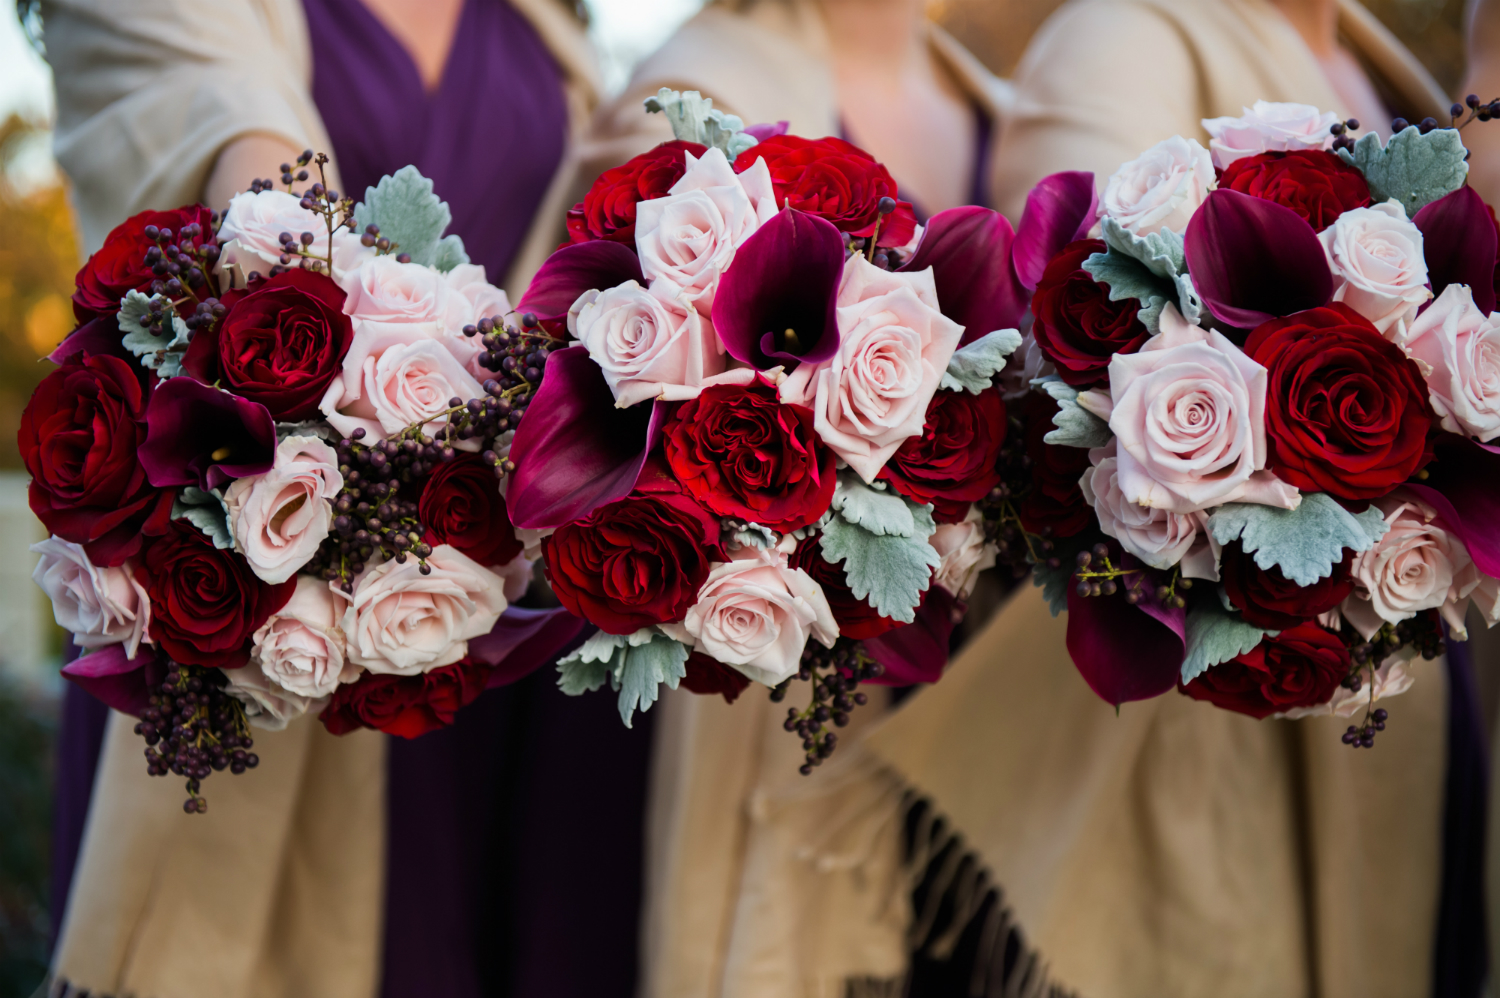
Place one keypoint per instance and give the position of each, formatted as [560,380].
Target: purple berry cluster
[193,728]
[834,674]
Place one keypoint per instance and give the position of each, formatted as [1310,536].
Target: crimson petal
[188,422]
[1253,260]
[1460,243]
[574,269]
[575,451]
[524,640]
[784,277]
[969,251]
[1463,485]
[1125,652]
[123,683]
[1059,210]
[917,652]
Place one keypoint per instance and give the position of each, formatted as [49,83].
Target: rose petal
[765,131]
[785,276]
[1460,243]
[969,251]
[1125,652]
[1059,209]
[1463,485]
[524,640]
[572,270]
[917,652]
[125,684]
[575,451]
[1253,260]
[188,422]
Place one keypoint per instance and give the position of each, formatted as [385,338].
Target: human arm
[1483,138]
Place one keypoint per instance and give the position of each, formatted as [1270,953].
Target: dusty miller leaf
[450,253]
[408,213]
[973,368]
[889,572]
[1413,168]
[646,667]
[1216,635]
[206,511]
[879,511]
[694,119]
[1159,252]
[160,353]
[1076,426]
[1306,542]
[587,667]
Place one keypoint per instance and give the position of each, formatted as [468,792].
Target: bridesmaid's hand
[1483,79]
[247,158]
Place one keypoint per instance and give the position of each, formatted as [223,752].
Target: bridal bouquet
[269,463]
[1274,386]
[768,431]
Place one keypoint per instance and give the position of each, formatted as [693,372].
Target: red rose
[1300,668]
[607,211]
[834,180]
[857,619]
[708,676]
[1315,184]
[462,507]
[1077,327]
[742,453]
[406,706]
[956,459]
[632,563]
[120,264]
[1054,502]
[1268,599]
[205,603]
[1346,409]
[80,434]
[281,344]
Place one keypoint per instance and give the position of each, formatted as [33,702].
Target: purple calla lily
[1460,243]
[917,652]
[1125,652]
[1059,210]
[1253,260]
[575,451]
[123,683]
[969,251]
[776,304]
[572,270]
[97,337]
[1463,485]
[524,640]
[198,435]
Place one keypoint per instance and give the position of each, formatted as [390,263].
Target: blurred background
[38,256]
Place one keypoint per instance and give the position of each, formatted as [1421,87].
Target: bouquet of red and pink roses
[269,462]
[1274,380]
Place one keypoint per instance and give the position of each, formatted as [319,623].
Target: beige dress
[1171,849]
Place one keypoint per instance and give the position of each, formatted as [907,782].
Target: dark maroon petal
[1059,210]
[572,270]
[188,422]
[785,276]
[969,251]
[575,451]
[123,683]
[1125,652]
[1254,260]
[1463,485]
[94,338]
[917,652]
[524,640]
[1459,242]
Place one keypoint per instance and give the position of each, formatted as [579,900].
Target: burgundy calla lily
[1253,260]
[969,251]
[1059,210]
[97,337]
[1463,485]
[1125,652]
[123,683]
[1459,242]
[572,270]
[575,451]
[524,640]
[198,435]
[917,652]
[775,305]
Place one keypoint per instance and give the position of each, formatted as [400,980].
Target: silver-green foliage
[207,512]
[1076,426]
[636,666]
[882,541]
[410,215]
[694,119]
[1306,542]
[973,367]
[1215,635]
[1413,168]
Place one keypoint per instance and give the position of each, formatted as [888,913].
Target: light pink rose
[1376,258]
[1392,678]
[648,347]
[688,238]
[1188,411]
[894,346]
[756,614]
[301,646]
[98,606]
[268,705]
[1157,537]
[1161,187]
[1458,348]
[516,574]
[964,553]
[400,622]
[486,300]
[394,379]
[278,519]
[1418,565]
[249,236]
[1268,127]
[386,297]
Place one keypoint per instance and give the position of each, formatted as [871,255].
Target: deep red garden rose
[405,706]
[707,676]
[607,211]
[1267,598]
[80,434]
[205,603]
[1315,184]
[835,180]
[120,264]
[955,460]
[1300,668]
[1055,501]
[857,619]
[632,563]
[1346,409]
[462,507]
[743,453]
[1077,327]
[281,344]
